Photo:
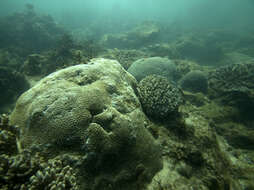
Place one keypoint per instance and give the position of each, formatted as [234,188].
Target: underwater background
[127,95]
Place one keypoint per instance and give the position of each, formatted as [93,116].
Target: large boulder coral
[92,109]
[153,65]
[195,81]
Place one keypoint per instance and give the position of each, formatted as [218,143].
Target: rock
[194,81]
[153,65]
[92,109]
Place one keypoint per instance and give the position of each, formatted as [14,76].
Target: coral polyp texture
[159,97]
[92,109]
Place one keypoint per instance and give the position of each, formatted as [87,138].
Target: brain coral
[92,109]
[159,97]
[61,106]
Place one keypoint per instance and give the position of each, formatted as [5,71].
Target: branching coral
[159,97]
[28,169]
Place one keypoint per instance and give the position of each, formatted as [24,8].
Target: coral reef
[236,58]
[185,66]
[159,97]
[91,126]
[234,85]
[124,57]
[123,147]
[29,31]
[92,109]
[10,59]
[64,45]
[30,171]
[8,136]
[163,50]
[35,65]
[53,175]
[234,134]
[194,81]
[143,34]
[12,84]
[198,48]
[196,161]
[22,169]
[153,65]
[66,53]
[17,169]
[194,156]
[91,48]
[237,135]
